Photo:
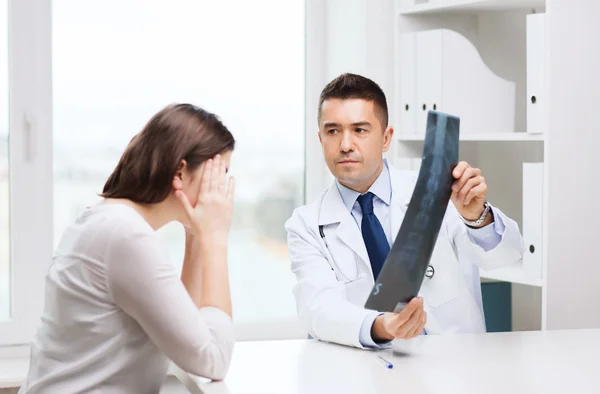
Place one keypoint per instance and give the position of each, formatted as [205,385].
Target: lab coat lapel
[334,211]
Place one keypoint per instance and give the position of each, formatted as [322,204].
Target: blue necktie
[373,234]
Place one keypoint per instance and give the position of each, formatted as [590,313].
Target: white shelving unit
[477,137]
[465,6]
[512,273]
[498,31]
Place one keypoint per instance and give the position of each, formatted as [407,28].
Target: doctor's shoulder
[306,217]
[407,179]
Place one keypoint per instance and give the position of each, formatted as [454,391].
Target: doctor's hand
[403,325]
[469,192]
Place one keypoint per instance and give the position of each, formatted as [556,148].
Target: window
[116,63]
[4,175]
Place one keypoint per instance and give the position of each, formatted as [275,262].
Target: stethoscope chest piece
[430,271]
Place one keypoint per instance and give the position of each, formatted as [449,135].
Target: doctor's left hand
[469,191]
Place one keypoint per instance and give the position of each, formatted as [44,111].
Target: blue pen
[388,364]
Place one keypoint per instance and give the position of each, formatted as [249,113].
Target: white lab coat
[330,296]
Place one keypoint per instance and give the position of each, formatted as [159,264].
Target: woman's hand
[210,219]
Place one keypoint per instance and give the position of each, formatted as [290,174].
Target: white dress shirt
[116,311]
[487,237]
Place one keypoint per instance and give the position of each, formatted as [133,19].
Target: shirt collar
[381,188]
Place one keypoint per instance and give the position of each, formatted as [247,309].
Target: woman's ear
[177,183]
[179,174]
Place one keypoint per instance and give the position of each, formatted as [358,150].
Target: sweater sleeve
[144,283]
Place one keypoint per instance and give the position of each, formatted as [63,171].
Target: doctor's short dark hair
[354,86]
[178,132]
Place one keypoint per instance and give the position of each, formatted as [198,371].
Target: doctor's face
[353,141]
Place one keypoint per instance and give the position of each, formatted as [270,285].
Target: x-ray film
[404,269]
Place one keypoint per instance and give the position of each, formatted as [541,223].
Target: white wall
[573,272]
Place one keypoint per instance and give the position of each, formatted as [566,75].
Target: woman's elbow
[213,361]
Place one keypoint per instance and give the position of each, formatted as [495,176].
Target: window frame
[30,164]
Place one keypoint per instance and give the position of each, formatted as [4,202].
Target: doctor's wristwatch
[476,223]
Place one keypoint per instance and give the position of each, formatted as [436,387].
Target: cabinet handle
[29,136]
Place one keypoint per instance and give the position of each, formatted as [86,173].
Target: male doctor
[338,243]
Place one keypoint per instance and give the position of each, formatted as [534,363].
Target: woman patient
[115,309]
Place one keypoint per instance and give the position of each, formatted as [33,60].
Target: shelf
[512,273]
[402,137]
[466,6]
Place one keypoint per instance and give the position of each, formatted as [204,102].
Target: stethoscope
[345,277]
[429,272]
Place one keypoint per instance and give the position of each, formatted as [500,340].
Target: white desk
[566,362]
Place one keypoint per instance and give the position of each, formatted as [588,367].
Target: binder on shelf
[536,73]
[533,218]
[429,75]
[451,77]
[408,83]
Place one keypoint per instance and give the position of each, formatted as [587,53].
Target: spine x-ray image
[404,269]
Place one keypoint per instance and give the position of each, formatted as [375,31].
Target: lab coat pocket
[444,285]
